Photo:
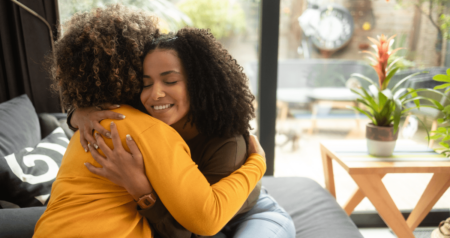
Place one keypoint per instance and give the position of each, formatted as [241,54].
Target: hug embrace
[162,147]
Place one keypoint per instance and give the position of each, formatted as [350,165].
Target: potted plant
[385,106]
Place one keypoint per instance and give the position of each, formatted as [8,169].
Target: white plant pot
[380,140]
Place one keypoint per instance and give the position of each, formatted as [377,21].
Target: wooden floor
[306,161]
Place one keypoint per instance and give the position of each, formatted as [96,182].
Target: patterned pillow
[26,177]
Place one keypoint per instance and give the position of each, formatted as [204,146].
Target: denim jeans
[266,219]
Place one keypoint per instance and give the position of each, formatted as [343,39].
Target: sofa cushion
[19,125]
[314,211]
[28,175]
[19,222]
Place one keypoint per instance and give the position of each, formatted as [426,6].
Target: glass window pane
[320,45]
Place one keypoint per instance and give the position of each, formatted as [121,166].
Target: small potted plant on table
[385,106]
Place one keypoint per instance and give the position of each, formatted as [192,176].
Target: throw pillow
[27,176]
[19,125]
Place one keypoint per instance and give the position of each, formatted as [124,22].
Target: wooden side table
[367,171]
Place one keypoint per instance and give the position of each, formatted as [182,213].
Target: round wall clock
[334,29]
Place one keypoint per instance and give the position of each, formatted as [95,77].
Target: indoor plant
[385,106]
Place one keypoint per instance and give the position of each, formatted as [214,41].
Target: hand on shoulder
[255,147]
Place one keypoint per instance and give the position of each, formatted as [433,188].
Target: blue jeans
[266,219]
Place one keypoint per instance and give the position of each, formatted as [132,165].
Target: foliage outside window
[171,18]
[441,22]
[223,17]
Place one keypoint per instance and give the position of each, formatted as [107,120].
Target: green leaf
[444,144]
[363,77]
[370,99]
[397,114]
[421,90]
[370,116]
[434,102]
[382,99]
[442,86]
[435,137]
[441,130]
[414,95]
[388,78]
[448,71]
[441,78]
[410,108]
[404,80]
[356,92]
[364,102]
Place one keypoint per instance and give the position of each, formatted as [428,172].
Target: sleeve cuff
[69,117]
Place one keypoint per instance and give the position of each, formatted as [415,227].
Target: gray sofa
[315,212]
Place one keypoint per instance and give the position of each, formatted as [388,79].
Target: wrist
[70,123]
[138,187]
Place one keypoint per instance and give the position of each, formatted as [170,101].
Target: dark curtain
[24,42]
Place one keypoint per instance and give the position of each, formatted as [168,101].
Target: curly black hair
[220,99]
[97,60]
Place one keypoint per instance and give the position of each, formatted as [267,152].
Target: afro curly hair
[220,99]
[97,60]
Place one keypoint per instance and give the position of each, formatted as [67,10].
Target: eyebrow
[164,73]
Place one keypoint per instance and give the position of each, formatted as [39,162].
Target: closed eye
[147,86]
[174,82]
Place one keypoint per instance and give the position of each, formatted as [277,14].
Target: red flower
[381,56]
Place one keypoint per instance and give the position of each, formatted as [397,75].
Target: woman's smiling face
[165,93]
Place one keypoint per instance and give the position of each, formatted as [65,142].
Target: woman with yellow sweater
[195,86]
[91,71]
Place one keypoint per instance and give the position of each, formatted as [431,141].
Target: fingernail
[122,116]
[129,137]
[96,146]
[117,105]
[108,135]
[85,164]
[85,150]
[112,123]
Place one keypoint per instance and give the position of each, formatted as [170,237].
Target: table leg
[355,199]
[376,192]
[437,186]
[328,171]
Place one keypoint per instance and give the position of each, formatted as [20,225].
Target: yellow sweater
[86,205]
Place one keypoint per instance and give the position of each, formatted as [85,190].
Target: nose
[158,91]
